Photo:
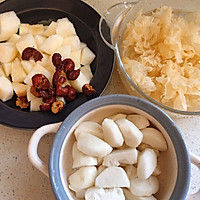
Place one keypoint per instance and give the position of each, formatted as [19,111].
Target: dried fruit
[40,82]
[56,59]
[45,107]
[59,77]
[35,91]
[88,90]
[71,93]
[73,75]
[49,100]
[22,102]
[61,91]
[68,64]
[31,52]
[57,107]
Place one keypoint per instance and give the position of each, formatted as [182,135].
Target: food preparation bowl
[175,163]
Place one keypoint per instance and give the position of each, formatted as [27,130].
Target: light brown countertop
[21,181]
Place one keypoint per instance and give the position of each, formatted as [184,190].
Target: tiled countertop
[21,181]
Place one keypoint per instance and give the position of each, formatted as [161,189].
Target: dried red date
[49,100]
[56,59]
[57,107]
[68,64]
[73,75]
[22,102]
[35,91]
[45,107]
[88,90]
[59,77]
[31,52]
[61,91]
[71,93]
[40,82]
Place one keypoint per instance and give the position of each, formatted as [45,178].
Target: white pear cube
[80,159]
[36,29]
[7,68]
[147,162]
[35,104]
[39,40]
[104,194]
[37,69]
[75,56]
[18,74]
[86,70]
[26,41]
[92,145]
[83,45]
[132,135]
[145,187]
[87,56]
[65,28]
[79,82]
[29,95]
[9,24]
[73,41]
[83,178]
[51,29]
[154,138]
[131,171]
[139,120]
[81,193]
[112,177]
[112,133]
[89,127]
[20,89]
[8,52]
[52,43]
[27,66]
[129,196]
[14,38]
[24,28]
[2,73]
[6,89]
[64,51]
[115,117]
[121,157]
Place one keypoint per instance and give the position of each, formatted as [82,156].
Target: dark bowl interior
[85,20]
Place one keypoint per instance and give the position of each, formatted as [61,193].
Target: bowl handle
[196,161]
[33,146]
[111,20]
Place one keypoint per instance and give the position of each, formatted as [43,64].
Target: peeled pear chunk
[6,89]
[89,127]
[72,41]
[87,56]
[119,157]
[94,193]
[80,159]
[35,104]
[132,135]
[147,162]
[8,52]
[154,138]
[112,133]
[26,41]
[139,120]
[18,74]
[7,68]
[81,193]
[83,178]
[20,89]
[145,187]
[9,24]
[92,145]
[52,43]
[86,70]
[131,171]
[112,177]
[117,116]
[129,196]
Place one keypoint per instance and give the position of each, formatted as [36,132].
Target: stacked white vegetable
[59,37]
[116,159]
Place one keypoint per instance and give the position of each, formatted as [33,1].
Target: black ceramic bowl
[85,20]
